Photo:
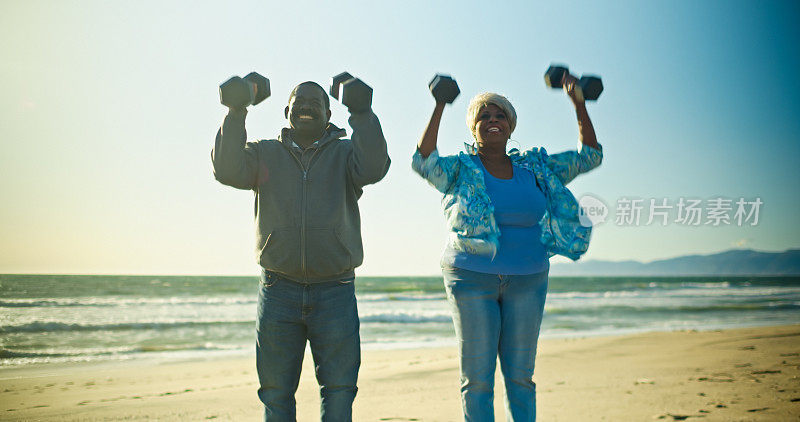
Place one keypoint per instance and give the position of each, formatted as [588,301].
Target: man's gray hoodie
[308,225]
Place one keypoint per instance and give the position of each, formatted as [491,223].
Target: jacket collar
[471,149]
[531,159]
[331,132]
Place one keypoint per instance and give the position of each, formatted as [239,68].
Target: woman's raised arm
[427,144]
[585,126]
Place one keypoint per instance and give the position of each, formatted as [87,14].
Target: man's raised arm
[370,160]
[235,161]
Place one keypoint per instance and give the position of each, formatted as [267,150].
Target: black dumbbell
[239,92]
[444,88]
[590,86]
[351,91]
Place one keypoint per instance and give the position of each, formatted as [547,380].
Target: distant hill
[733,262]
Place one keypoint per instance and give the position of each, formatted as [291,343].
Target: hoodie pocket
[326,254]
[281,251]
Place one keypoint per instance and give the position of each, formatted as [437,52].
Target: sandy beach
[749,374]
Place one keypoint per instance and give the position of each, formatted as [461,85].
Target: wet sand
[750,374]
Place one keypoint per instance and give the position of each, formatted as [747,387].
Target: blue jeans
[325,314]
[496,315]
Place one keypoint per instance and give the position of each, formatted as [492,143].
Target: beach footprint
[678,417]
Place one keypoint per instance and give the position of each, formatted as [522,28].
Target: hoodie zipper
[303,203]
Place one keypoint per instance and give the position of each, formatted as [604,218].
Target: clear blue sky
[109,110]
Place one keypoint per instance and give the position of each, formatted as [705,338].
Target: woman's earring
[471,148]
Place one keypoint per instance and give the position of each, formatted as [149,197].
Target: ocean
[77,318]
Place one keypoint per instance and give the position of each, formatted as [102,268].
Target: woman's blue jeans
[496,315]
[326,315]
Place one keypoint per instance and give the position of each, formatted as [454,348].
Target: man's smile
[306,115]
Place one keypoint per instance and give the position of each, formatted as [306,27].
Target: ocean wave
[694,284]
[44,327]
[405,296]
[118,301]
[9,355]
[678,308]
[688,289]
[405,318]
[707,285]
[679,292]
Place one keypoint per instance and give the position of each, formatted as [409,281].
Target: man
[307,184]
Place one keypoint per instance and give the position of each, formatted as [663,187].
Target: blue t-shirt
[519,205]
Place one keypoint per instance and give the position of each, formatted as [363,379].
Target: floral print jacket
[469,210]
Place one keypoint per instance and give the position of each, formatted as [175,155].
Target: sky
[109,111]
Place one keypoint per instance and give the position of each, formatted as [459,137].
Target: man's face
[306,111]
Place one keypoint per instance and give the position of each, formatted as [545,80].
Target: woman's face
[492,128]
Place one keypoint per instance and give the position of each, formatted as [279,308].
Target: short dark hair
[324,93]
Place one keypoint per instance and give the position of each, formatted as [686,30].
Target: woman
[508,214]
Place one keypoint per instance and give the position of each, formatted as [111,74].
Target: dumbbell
[444,88]
[590,86]
[351,91]
[239,92]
